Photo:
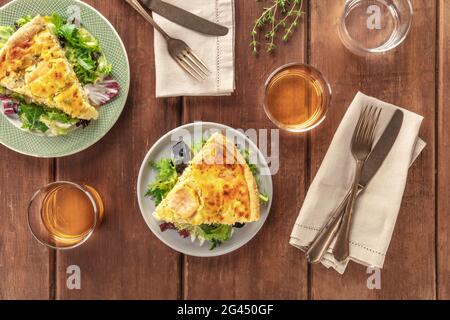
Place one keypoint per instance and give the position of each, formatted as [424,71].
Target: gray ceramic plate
[78,140]
[163,149]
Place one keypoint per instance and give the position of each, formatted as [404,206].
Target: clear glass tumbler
[297,97]
[375,26]
[64,215]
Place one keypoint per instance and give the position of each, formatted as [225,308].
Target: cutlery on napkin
[216,52]
[335,223]
[185,18]
[377,208]
[180,52]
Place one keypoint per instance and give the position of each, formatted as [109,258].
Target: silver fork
[362,143]
[178,49]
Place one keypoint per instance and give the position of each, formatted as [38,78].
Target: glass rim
[79,187]
[355,47]
[327,89]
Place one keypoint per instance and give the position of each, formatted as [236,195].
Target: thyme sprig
[281,15]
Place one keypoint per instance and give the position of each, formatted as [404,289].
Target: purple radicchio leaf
[10,106]
[102,92]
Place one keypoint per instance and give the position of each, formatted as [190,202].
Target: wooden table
[125,261]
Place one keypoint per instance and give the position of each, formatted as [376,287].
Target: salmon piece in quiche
[217,187]
[33,64]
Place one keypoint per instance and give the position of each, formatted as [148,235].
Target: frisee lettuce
[38,118]
[82,50]
[216,234]
[30,115]
[5,33]
[22,21]
[264,198]
[165,181]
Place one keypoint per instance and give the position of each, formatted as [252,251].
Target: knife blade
[381,149]
[185,18]
[376,158]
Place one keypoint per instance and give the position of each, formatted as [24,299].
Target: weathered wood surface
[24,265]
[443,154]
[267,267]
[124,260]
[405,77]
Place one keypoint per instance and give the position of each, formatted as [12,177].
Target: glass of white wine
[64,215]
[297,97]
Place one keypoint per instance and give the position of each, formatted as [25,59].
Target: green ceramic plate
[78,140]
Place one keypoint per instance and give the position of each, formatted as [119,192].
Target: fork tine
[198,66]
[376,119]
[357,130]
[369,125]
[366,125]
[188,69]
[363,126]
[195,68]
[199,61]
[191,67]
[372,122]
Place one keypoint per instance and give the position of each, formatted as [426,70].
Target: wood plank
[267,267]
[405,77]
[124,260]
[443,209]
[24,263]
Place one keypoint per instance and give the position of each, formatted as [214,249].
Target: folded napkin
[377,208]
[216,52]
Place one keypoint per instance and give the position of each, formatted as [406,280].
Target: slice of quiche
[217,187]
[33,64]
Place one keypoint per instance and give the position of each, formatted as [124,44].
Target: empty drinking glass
[375,26]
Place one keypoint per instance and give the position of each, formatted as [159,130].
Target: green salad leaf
[57,21]
[264,197]
[255,171]
[38,118]
[253,167]
[103,66]
[83,64]
[78,37]
[216,233]
[165,181]
[5,33]
[61,117]
[23,21]
[82,50]
[30,115]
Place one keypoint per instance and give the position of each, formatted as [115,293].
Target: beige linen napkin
[216,52]
[377,208]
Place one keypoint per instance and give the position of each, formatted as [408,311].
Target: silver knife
[185,18]
[379,153]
